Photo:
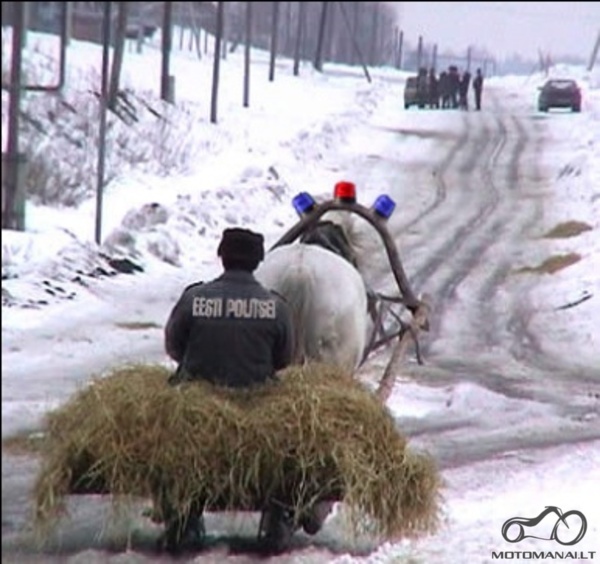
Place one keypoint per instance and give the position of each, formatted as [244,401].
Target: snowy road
[490,403]
[487,190]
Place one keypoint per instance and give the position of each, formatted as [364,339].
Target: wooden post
[318,64]
[216,63]
[247,54]
[166,51]
[299,36]
[594,54]
[400,47]
[274,35]
[354,43]
[12,188]
[106,26]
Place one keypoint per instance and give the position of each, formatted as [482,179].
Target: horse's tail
[297,293]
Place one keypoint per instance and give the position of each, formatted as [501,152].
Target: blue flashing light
[384,206]
[303,203]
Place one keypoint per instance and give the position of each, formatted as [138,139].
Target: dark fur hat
[240,244]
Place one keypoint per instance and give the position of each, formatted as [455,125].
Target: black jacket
[231,331]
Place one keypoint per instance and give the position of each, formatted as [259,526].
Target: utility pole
[355,46]
[217,62]
[247,54]
[13,204]
[594,55]
[118,54]
[274,36]
[106,25]
[318,63]
[300,31]
[400,47]
[166,88]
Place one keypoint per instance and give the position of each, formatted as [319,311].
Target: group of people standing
[450,89]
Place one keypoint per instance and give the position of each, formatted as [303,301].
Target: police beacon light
[345,192]
[303,203]
[384,206]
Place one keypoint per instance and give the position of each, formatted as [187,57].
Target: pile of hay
[317,433]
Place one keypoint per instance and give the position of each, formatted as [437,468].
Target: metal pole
[106,25]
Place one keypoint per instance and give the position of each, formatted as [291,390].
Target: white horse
[327,295]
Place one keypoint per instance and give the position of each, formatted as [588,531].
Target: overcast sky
[504,28]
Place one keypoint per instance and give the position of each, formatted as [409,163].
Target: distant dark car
[560,93]
[415,92]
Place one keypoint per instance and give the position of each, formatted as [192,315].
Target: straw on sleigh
[316,433]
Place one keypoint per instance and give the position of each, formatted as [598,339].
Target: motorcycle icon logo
[559,534]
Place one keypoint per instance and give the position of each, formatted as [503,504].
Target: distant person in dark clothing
[465,82]
[453,85]
[444,90]
[434,96]
[478,88]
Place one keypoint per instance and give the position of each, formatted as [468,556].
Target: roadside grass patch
[138,325]
[552,264]
[567,229]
